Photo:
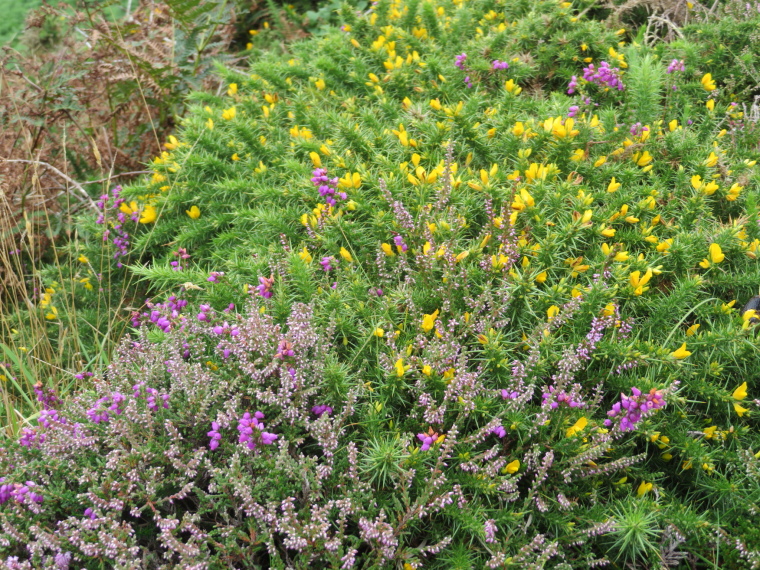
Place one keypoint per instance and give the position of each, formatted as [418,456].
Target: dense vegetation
[461,283]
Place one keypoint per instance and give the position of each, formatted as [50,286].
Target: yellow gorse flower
[428,321]
[194,212]
[740,410]
[741,392]
[681,353]
[716,256]
[344,253]
[707,82]
[305,255]
[577,427]
[638,281]
[229,114]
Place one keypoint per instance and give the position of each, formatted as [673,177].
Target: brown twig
[71,181]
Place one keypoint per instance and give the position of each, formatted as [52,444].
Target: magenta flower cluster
[226,329]
[246,426]
[631,409]
[321,409]
[20,493]
[676,65]
[604,76]
[47,396]
[181,255]
[497,65]
[499,431]
[427,439]
[105,407]
[327,186]
[554,399]
[152,397]
[461,62]
[264,288]
[163,315]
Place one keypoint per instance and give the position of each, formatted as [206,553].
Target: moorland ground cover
[458,284]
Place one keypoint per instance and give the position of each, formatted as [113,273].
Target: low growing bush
[421,299]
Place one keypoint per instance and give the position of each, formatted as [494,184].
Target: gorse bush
[461,284]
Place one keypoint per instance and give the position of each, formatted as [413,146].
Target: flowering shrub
[406,314]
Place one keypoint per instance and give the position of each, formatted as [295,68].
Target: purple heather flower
[214,435]
[573,85]
[327,187]
[554,399]
[604,76]
[225,328]
[637,129]
[5,492]
[460,60]
[631,409]
[265,287]
[90,514]
[326,263]
[246,425]
[676,65]
[284,349]
[497,64]
[399,242]
[321,409]
[48,397]
[427,439]
[203,315]
[573,110]
[30,438]
[499,431]
[214,276]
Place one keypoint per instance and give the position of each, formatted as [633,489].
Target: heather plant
[412,307]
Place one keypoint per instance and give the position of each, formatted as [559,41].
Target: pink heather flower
[460,60]
[497,64]
[490,529]
[214,276]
